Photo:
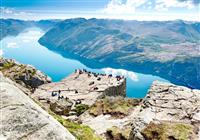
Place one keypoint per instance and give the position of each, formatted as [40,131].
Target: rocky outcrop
[117,107]
[168,103]
[81,87]
[119,90]
[25,75]
[23,119]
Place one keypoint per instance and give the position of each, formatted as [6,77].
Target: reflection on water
[133,76]
[26,49]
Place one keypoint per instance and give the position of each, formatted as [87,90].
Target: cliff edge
[25,75]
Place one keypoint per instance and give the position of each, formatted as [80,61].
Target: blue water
[25,49]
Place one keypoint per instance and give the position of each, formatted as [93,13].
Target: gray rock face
[25,75]
[168,102]
[21,118]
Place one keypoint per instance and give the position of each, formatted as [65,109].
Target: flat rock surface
[83,86]
[23,119]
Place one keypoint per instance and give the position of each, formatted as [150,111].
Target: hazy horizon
[142,10]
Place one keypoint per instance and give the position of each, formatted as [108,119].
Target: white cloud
[148,10]
[13,13]
[120,7]
[5,10]
[164,5]
[11,45]
[122,72]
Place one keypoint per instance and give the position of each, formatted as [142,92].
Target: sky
[114,9]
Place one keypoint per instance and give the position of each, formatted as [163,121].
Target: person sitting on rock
[84,70]
[78,101]
[80,72]
[59,97]
[89,75]
[99,78]
[91,83]
[118,78]
[53,93]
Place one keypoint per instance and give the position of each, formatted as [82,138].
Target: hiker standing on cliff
[59,97]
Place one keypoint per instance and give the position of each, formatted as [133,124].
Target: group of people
[55,93]
[97,74]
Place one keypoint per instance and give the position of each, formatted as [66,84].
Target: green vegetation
[81,108]
[117,106]
[81,132]
[167,131]
[7,65]
[32,72]
[118,134]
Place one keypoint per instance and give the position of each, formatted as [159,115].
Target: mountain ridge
[167,49]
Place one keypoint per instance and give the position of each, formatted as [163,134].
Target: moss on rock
[81,132]
[168,131]
[7,65]
[116,106]
[80,109]
[115,133]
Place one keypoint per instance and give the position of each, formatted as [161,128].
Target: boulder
[61,107]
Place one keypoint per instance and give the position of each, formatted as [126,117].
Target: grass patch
[165,131]
[80,109]
[116,106]
[118,134]
[7,65]
[81,132]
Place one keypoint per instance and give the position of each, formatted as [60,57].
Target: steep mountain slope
[12,27]
[169,49]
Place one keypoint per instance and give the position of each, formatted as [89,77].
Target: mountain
[12,27]
[46,24]
[169,49]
